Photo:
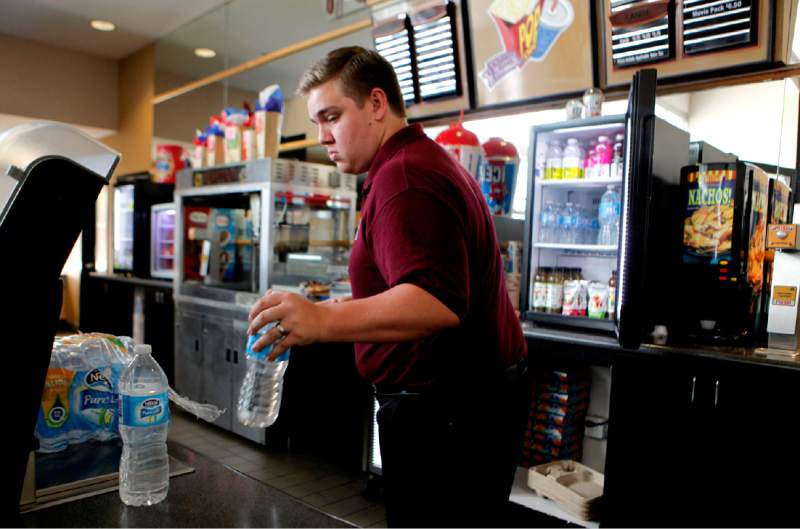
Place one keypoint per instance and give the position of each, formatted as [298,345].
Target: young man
[433,325]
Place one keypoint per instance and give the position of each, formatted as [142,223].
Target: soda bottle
[144,420]
[260,395]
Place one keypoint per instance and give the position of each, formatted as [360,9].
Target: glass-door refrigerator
[133,197]
[162,240]
[603,238]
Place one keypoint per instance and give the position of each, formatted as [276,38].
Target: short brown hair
[360,70]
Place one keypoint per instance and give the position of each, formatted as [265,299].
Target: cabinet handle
[716,392]
[235,356]
[227,355]
[691,396]
[196,345]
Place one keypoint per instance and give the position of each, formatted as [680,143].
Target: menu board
[526,49]
[641,32]
[423,40]
[681,37]
[713,24]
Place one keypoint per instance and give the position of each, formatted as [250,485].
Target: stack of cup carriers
[556,419]
[80,397]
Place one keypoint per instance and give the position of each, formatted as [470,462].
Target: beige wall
[45,82]
[134,132]
[177,119]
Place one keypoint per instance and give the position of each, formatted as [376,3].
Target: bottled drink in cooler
[589,162]
[612,295]
[603,155]
[547,222]
[553,168]
[617,158]
[260,395]
[608,217]
[568,224]
[573,160]
[555,290]
[144,420]
[540,289]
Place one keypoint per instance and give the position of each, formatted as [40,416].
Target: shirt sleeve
[417,239]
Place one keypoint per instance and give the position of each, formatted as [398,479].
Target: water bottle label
[263,353]
[150,410]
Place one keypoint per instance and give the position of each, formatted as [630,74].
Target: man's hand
[302,321]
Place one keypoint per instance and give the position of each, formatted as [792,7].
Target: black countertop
[606,346]
[212,496]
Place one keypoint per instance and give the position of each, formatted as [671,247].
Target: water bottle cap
[142,349]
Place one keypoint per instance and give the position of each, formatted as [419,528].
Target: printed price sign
[783,295]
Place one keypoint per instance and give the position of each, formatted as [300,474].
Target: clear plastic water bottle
[553,165]
[144,420]
[547,224]
[260,395]
[570,224]
[608,217]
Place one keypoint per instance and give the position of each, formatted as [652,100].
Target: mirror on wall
[240,31]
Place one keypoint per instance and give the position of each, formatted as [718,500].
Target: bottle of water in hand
[143,424]
[260,395]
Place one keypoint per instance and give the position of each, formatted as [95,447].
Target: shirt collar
[397,141]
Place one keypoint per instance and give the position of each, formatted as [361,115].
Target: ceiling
[242,30]
[65,23]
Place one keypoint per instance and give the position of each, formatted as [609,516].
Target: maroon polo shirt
[425,222]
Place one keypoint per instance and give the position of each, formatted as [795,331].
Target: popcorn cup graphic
[517,22]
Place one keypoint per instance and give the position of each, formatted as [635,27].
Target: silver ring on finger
[282,330]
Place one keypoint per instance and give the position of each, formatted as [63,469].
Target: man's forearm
[402,313]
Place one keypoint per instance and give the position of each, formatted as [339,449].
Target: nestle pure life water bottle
[143,424]
[260,396]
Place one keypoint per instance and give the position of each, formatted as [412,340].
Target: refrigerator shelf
[579,182]
[561,320]
[578,248]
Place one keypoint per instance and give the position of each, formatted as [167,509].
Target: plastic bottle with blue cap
[260,395]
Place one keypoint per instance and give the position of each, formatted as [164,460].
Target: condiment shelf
[579,182]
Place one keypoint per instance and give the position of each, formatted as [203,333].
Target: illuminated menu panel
[393,43]
[434,44]
[421,47]
[641,32]
[710,25]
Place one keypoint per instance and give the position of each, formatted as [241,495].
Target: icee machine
[50,176]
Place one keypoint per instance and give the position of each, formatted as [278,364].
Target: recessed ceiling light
[103,25]
[205,53]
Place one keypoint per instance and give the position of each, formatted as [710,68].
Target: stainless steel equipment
[241,229]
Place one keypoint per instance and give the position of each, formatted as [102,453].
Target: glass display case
[267,223]
[162,239]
